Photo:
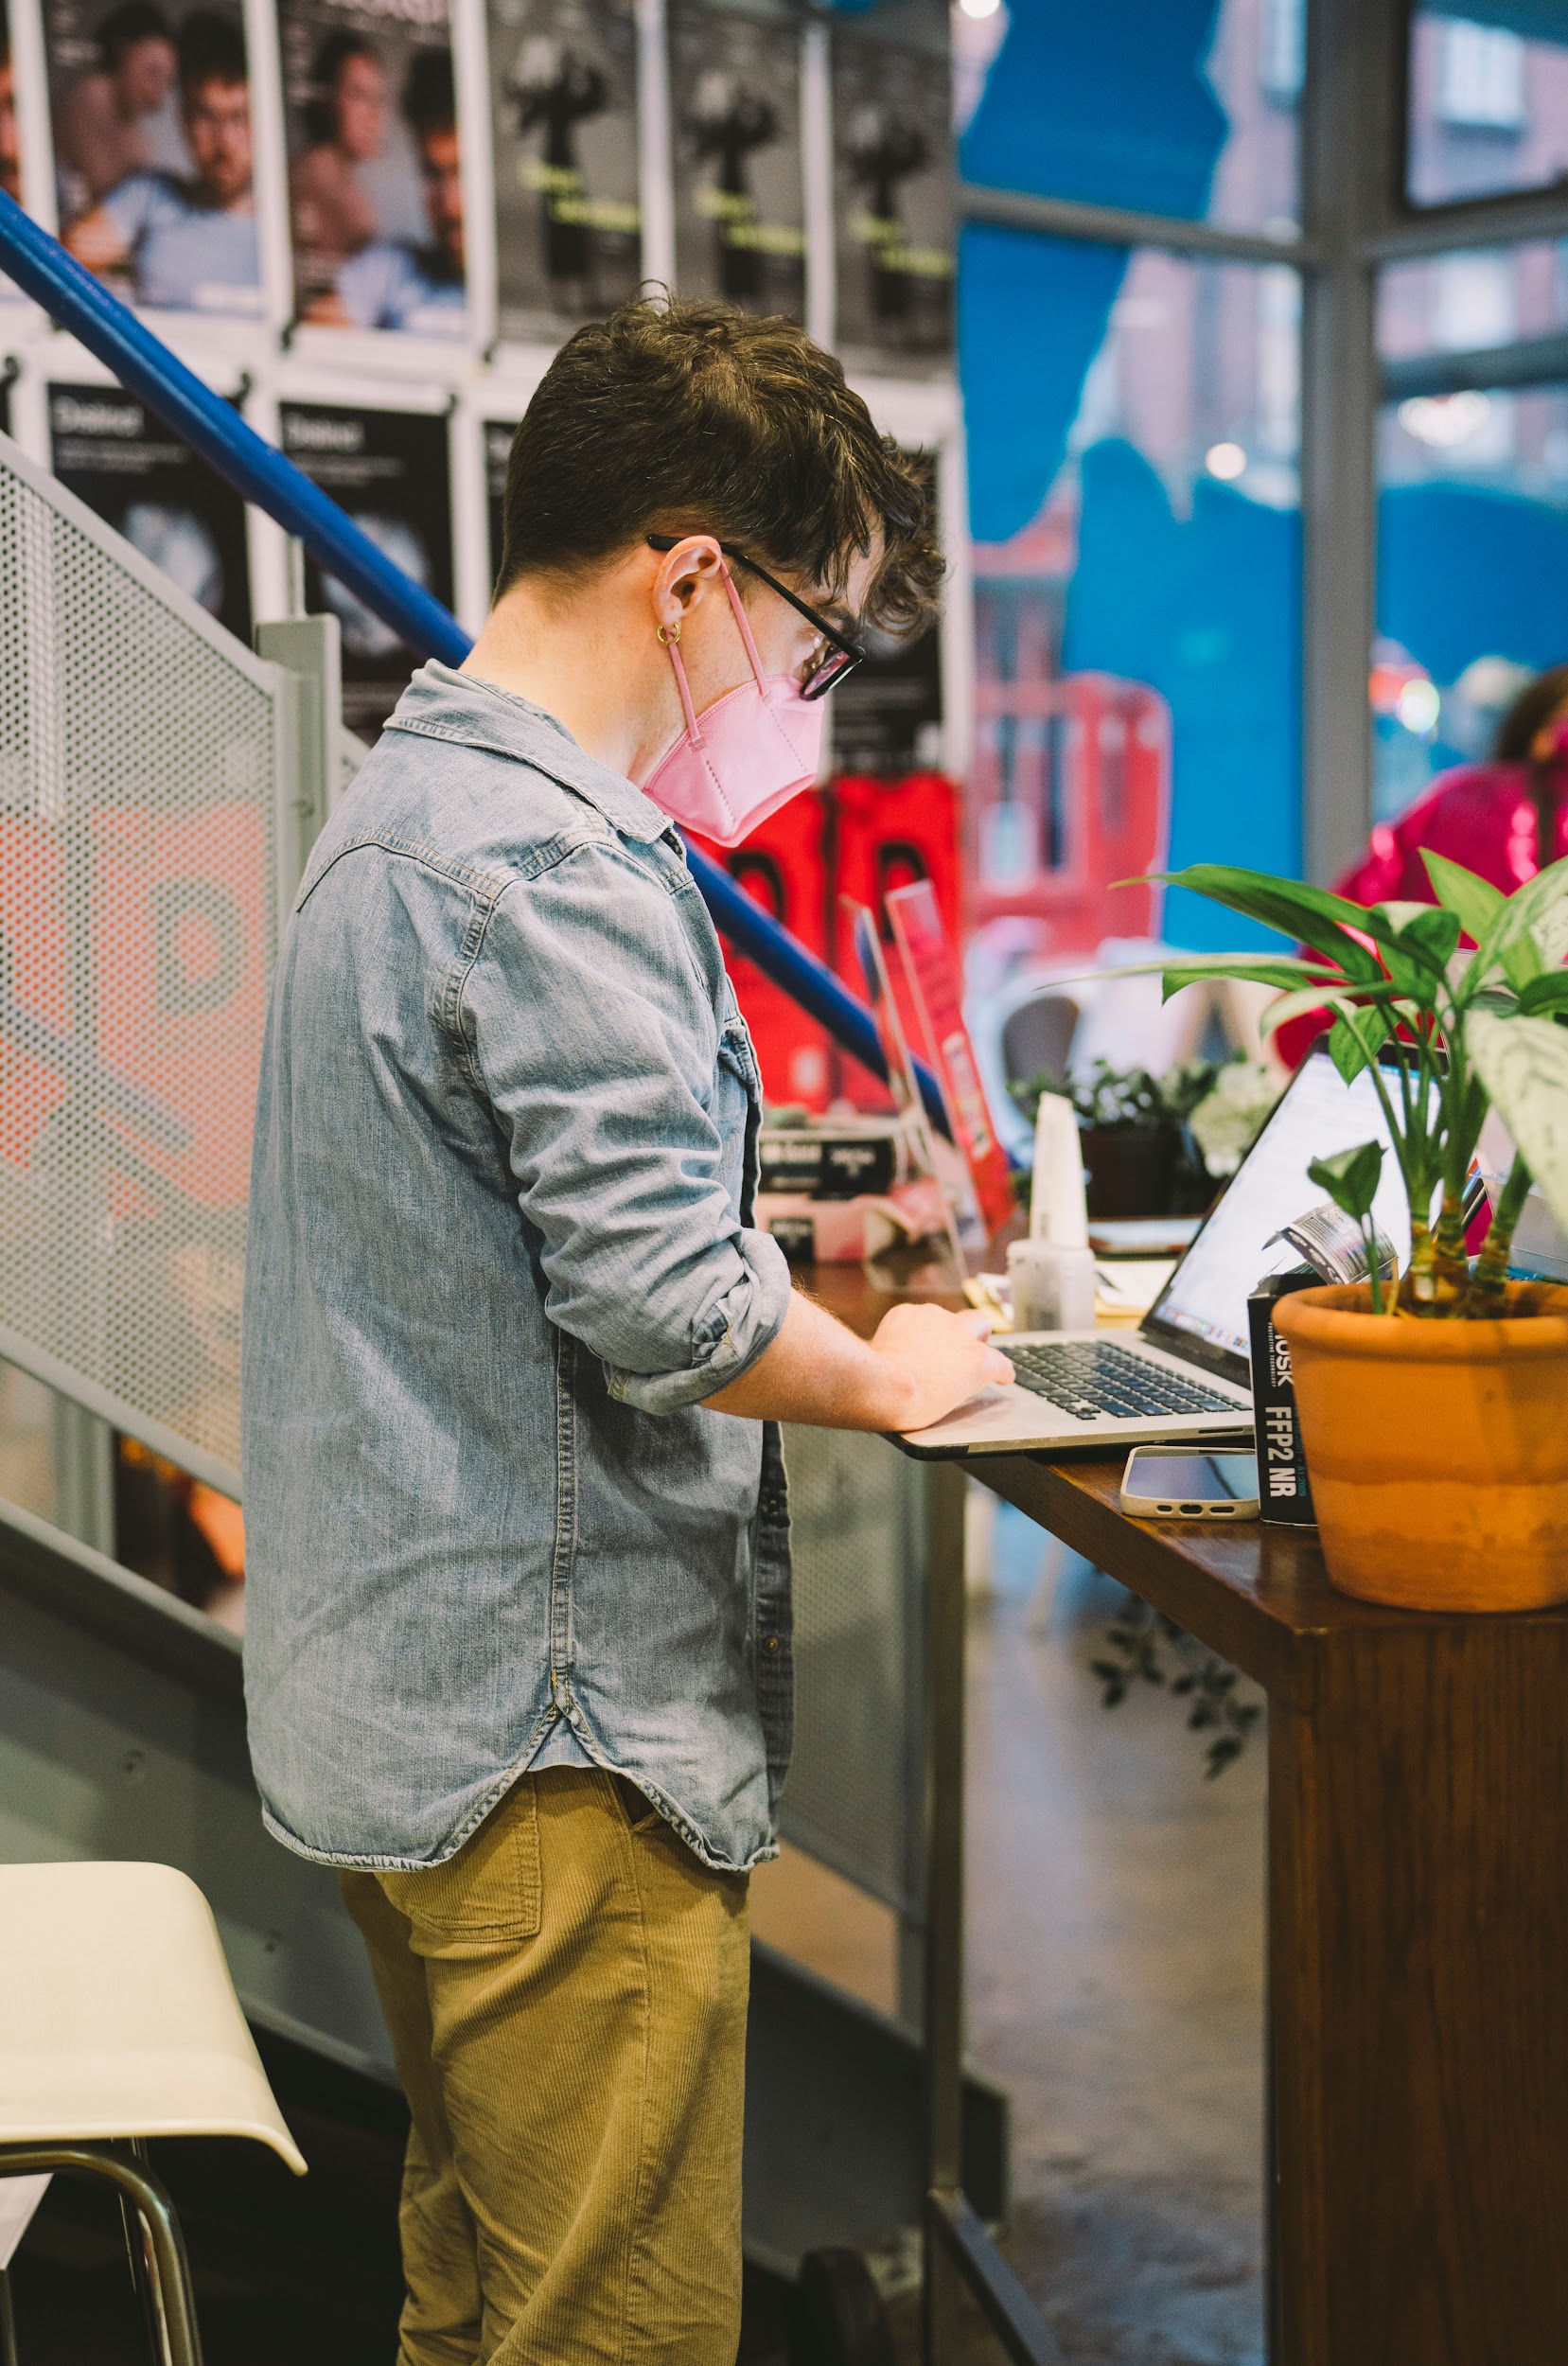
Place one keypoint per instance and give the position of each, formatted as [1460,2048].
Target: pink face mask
[742,757]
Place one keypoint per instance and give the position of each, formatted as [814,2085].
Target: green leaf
[1418,948]
[1530,932]
[1283,970]
[1521,957]
[1549,913]
[1474,901]
[1350,1177]
[1319,919]
[1354,1040]
[1544,994]
[1437,934]
[1319,998]
[1523,1066]
[1346,1050]
[1268,969]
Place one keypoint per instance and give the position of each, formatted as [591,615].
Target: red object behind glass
[1501,820]
[889,833]
[783,866]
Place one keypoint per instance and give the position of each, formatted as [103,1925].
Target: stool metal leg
[146,2193]
[8,2321]
[144,2273]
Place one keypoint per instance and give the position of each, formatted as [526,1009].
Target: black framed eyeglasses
[841,656]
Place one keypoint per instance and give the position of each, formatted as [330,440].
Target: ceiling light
[1442,420]
[1418,706]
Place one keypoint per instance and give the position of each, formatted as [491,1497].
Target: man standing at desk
[518,1632]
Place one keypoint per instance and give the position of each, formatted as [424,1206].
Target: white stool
[118,2022]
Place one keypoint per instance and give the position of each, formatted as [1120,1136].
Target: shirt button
[771,1643]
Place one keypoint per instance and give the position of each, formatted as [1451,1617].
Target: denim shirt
[500,1249]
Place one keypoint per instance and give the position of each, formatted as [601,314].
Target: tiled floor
[1116,1983]
[1114,1979]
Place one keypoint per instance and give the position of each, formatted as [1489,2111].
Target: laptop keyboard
[1088,1379]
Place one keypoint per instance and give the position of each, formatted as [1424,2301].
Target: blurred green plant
[1113,1099]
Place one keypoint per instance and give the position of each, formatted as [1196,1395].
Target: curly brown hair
[671,417]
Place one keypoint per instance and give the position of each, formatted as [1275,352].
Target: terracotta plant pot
[1437,1450]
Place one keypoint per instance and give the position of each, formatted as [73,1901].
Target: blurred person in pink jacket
[1503,818]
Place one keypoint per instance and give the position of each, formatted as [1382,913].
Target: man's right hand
[937,1360]
[922,1363]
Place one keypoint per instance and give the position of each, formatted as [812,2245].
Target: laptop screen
[1203,1309]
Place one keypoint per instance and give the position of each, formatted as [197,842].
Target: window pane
[1472,573]
[1137,640]
[1166,106]
[1488,99]
[1473,300]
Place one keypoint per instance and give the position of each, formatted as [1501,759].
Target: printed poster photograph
[10,138]
[736,105]
[11,166]
[389,469]
[563,104]
[892,139]
[375,189]
[119,457]
[886,717]
[151,109]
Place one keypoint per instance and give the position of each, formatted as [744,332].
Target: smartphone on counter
[1190,1483]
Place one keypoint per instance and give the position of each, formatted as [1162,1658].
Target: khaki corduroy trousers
[566,1999]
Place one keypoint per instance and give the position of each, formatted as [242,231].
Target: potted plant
[1147,1138]
[1130,1145]
[1433,1412]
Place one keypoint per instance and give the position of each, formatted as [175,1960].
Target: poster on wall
[736,110]
[11,169]
[151,108]
[498,451]
[893,142]
[119,457]
[389,469]
[375,187]
[563,104]
[10,135]
[887,717]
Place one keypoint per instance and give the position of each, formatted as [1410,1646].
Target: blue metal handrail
[143,364]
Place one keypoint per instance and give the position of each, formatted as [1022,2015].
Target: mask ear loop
[739,606]
[670,639]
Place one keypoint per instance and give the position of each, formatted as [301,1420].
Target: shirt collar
[442,703]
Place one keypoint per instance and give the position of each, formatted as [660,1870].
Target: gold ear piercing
[669,634]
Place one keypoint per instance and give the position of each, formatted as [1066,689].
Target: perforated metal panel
[853,1794]
[144,763]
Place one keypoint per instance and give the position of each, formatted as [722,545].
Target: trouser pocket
[489,1891]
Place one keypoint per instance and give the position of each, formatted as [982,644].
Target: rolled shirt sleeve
[594,1036]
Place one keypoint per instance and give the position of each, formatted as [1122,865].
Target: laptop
[1184,1373]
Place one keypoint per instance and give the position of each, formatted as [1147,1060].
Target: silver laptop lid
[1202,1312]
